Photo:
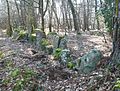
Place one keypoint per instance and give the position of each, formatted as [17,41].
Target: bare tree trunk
[9,28]
[96,15]
[56,16]
[42,12]
[66,9]
[115,55]
[23,15]
[87,17]
[50,19]
[70,21]
[84,16]
[19,22]
[76,27]
[65,17]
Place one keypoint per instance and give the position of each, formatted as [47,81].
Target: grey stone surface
[15,34]
[54,39]
[88,62]
[63,43]
[39,35]
[49,49]
[68,89]
[65,56]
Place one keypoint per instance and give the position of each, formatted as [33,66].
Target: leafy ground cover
[23,68]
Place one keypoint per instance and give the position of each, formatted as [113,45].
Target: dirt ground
[83,43]
[57,78]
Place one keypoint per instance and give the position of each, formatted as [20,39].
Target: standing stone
[88,62]
[54,40]
[65,56]
[63,42]
[49,49]
[39,35]
[15,34]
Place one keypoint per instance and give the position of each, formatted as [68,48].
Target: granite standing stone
[39,36]
[88,62]
[54,40]
[65,56]
[63,43]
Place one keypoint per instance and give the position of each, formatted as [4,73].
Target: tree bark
[42,12]
[9,28]
[19,22]
[115,55]
[96,15]
[87,17]
[84,13]
[76,27]
[50,19]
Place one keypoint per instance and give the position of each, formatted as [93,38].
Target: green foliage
[117,85]
[21,35]
[44,43]
[37,29]
[16,32]
[52,33]
[33,37]
[18,78]
[1,54]
[18,29]
[70,65]
[9,64]
[78,33]
[107,12]
[57,53]
[15,73]
[61,37]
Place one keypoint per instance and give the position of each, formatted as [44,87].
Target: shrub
[44,43]
[33,37]
[52,33]
[20,79]
[1,54]
[57,53]
[117,85]
[21,35]
[70,65]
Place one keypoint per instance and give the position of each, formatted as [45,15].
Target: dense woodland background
[59,45]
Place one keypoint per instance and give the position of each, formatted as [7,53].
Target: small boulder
[63,42]
[49,49]
[39,36]
[54,39]
[65,56]
[88,62]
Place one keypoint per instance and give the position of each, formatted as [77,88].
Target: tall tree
[116,35]
[84,16]
[54,9]
[96,15]
[42,12]
[18,11]
[76,27]
[50,17]
[9,28]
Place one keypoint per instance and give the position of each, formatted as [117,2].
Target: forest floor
[56,78]
[88,40]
